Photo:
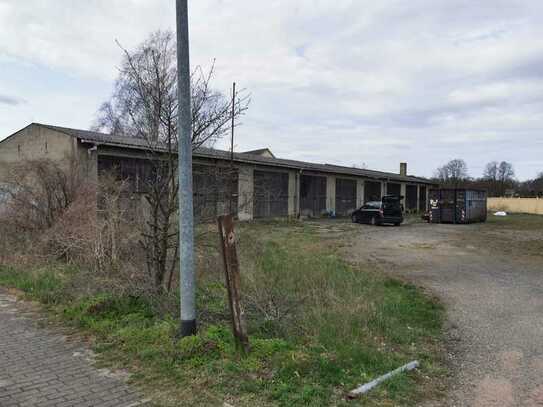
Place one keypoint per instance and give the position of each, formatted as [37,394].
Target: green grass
[318,327]
[516,234]
[516,221]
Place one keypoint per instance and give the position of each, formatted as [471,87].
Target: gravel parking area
[490,277]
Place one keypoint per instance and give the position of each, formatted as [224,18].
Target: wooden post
[233,281]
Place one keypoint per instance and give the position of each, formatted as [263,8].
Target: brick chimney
[403,169]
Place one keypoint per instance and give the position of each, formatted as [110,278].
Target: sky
[365,83]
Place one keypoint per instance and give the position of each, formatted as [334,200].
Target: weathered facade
[254,184]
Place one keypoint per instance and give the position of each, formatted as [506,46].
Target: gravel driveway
[493,290]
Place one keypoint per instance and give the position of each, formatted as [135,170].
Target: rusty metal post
[233,281]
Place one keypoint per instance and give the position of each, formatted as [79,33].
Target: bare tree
[144,101]
[144,105]
[531,188]
[453,173]
[498,177]
[506,173]
[491,171]
[506,176]
[490,177]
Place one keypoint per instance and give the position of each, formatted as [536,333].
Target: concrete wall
[403,192]
[293,193]
[88,162]
[360,192]
[331,193]
[35,142]
[245,192]
[516,205]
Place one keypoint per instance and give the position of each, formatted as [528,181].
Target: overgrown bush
[50,214]
[37,194]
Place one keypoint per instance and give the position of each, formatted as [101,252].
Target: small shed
[457,205]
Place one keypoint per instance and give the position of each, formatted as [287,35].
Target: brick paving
[40,367]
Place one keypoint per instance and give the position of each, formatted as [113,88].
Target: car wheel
[354,218]
[373,221]
[397,224]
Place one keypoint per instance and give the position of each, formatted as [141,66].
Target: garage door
[345,196]
[372,191]
[394,189]
[215,192]
[422,199]
[270,194]
[411,197]
[312,195]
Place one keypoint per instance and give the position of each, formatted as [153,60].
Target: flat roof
[93,137]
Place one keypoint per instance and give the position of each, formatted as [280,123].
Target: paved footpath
[41,367]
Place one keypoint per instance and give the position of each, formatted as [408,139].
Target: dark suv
[388,210]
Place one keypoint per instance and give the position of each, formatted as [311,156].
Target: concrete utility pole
[230,201]
[184,136]
[233,121]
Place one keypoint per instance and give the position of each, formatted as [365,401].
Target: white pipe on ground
[368,386]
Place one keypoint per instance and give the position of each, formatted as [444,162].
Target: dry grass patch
[318,327]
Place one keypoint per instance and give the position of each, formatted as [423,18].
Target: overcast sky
[345,82]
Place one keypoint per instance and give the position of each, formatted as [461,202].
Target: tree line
[498,179]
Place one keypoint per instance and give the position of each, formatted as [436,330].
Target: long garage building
[253,184]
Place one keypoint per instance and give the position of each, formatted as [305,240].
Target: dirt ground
[490,277]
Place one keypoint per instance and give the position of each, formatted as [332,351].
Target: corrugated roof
[131,142]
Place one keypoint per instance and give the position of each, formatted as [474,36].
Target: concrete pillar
[383,188]
[360,191]
[91,166]
[245,193]
[298,193]
[331,193]
[292,193]
[418,198]
[403,192]
[427,197]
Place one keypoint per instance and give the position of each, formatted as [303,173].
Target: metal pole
[231,200]
[233,117]
[184,135]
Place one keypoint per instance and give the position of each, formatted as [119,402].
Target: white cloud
[332,81]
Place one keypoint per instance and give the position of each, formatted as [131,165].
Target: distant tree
[490,178]
[505,172]
[491,171]
[532,187]
[498,177]
[506,175]
[454,173]
[538,184]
